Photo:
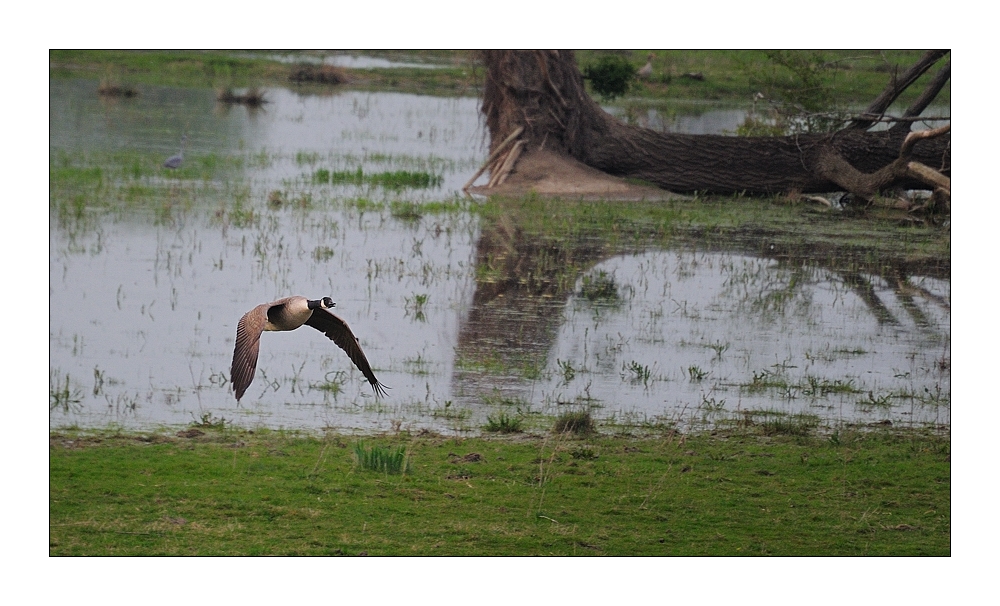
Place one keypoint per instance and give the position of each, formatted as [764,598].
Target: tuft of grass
[416,305]
[695,373]
[578,422]
[383,459]
[209,421]
[636,372]
[332,385]
[600,288]
[719,348]
[764,380]
[323,253]
[773,423]
[816,386]
[452,413]
[253,97]
[319,74]
[406,211]
[394,180]
[61,396]
[568,372]
[110,87]
[503,423]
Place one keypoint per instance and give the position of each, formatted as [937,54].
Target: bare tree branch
[928,175]
[897,86]
[911,139]
[834,167]
[926,97]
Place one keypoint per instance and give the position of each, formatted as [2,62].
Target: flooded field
[464,314]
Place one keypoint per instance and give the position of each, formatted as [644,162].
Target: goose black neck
[317,304]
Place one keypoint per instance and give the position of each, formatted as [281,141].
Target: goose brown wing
[247,347]
[340,333]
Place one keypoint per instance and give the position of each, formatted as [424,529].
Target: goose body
[175,160]
[288,314]
[646,70]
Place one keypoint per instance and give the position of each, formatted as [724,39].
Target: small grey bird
[288,314]
[175,160]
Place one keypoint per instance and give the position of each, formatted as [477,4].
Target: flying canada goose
[175,160]
[288,314]
[646,70]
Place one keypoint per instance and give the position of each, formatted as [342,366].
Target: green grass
[242,69]
[844,76]
[232,492]
[383,459]
[600,288]
[503,423]
[578,422]
[170,68]
[394,180]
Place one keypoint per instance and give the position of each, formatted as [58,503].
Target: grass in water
[600,288]
[503,423]
[395,180]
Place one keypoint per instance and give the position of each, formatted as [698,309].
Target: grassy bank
[843,77]
[748,491]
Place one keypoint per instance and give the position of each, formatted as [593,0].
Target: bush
[611,77]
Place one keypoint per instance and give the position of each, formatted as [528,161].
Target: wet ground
[463,314]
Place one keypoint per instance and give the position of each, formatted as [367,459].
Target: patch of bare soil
[551,174]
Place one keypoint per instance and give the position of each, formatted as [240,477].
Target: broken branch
[493,156]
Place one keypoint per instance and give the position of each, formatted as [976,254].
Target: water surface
[461,316]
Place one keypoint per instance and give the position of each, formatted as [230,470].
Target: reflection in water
[688,334]
[459,314]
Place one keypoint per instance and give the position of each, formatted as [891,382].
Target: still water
[152,271]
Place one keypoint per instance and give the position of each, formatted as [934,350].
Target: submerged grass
[394,180]
[232,492]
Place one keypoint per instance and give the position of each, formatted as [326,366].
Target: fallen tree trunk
[543,92]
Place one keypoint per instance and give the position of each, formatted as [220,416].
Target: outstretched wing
[247,347]
[340,333]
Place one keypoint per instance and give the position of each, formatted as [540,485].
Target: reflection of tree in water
[522,285]
[862,277]
[524,280]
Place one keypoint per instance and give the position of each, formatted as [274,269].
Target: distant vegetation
[611,76]
[839,76]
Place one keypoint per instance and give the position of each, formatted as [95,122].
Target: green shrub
[611,76]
